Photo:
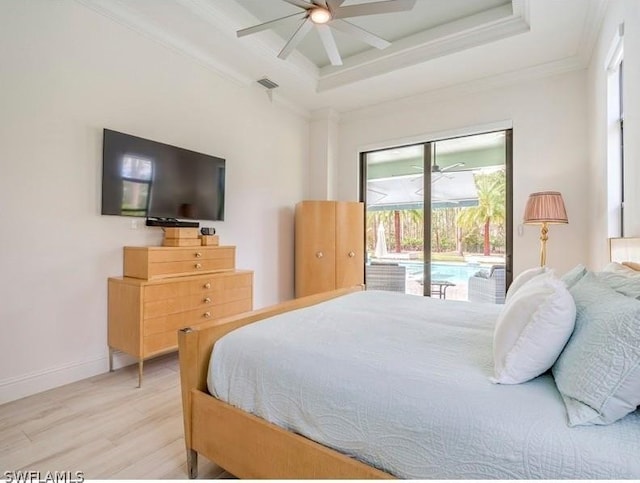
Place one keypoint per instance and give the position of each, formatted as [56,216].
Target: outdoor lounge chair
[489,289]
[385,276]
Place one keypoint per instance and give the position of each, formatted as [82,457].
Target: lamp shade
[545,207]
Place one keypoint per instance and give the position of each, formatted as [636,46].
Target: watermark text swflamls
[30,476]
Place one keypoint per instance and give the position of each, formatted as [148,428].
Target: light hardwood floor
[103,426]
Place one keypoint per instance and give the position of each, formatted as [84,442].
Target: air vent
[268,83]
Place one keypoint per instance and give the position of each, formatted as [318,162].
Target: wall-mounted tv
[155,180]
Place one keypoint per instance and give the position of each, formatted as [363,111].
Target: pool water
[451,272]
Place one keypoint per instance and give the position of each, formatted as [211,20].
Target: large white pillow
[523,278]
[532,329]
[598,372]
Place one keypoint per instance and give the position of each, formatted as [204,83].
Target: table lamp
[544,208]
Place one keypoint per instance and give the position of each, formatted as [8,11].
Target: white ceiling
[440,43]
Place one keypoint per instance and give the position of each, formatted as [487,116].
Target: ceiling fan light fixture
[331,13]
[320,15]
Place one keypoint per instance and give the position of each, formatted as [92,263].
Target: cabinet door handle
[207,285]
[207,300]
[352,254]
[198,254]
[207,315]
[198,265]
[319,255]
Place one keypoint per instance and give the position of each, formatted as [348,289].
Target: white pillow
[621,278]
[598,372]
[615,267]
[523,278]
[532,330]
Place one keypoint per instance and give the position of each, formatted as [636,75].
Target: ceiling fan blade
[295,39]
[266,25]
[454,165]
[360,33]
[329,44]
[334,4]
[300,3]
[374,8]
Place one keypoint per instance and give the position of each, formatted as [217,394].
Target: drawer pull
[198,265]
[352,254]
[207,285]
[207,315]
[198,254]
[319,255]
[207,300]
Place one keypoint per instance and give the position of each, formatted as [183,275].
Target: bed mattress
[402,383]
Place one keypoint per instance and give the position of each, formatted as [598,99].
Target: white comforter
[402,383]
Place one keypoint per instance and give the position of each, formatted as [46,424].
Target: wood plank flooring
[103,426]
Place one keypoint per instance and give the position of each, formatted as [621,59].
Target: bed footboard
[195,346]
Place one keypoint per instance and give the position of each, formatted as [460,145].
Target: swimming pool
[451,272]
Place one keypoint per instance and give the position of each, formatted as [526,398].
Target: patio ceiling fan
[327,14]
[438,170]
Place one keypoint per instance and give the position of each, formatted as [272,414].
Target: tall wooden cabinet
[329,246]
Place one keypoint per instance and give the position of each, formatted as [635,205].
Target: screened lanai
[436,248]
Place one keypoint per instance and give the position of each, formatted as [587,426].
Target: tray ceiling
[440,43]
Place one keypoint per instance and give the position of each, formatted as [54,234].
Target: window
[615,138]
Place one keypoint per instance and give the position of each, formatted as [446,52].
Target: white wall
[598,133]
[549,150]
[65,74]
[618,12]
[323,139]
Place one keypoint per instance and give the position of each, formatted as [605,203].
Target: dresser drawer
[157,262]
[197,285]
[206,300]
[159,330]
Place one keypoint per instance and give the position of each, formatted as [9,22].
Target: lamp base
[544,230]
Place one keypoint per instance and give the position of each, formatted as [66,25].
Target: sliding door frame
[427,159]
[427,162]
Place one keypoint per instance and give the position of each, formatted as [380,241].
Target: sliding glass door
[456,245]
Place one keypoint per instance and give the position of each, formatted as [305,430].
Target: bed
[431,411]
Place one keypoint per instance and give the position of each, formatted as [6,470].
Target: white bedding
[402,383]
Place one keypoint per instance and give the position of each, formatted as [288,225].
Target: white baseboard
[25,385]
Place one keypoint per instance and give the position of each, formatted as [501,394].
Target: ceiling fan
[327,14]
[435,169]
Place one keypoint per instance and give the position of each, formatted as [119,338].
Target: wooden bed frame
[249,447]
[245,445]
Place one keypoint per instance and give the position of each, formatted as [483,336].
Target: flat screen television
[155,180]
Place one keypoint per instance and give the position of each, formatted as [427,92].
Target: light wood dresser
[167,288]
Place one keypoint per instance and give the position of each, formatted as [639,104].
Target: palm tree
[394,221]
[491,189]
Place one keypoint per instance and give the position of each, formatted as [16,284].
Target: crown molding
[267,45]
[291,106]
[482,28]
[549,69]
[118,12]
[325,114]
